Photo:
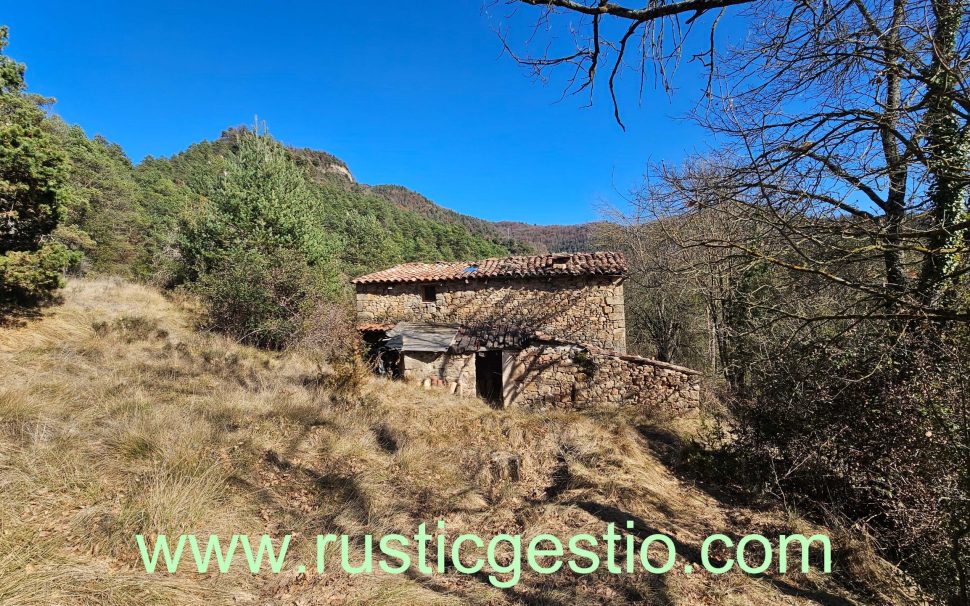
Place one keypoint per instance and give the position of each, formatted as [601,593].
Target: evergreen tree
[257,250]
[32,171]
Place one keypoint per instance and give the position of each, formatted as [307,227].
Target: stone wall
[574,376]
[583,309]
[453,372]
[548,375]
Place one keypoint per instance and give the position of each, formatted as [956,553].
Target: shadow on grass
[692,553]
[14,315]
[710,471]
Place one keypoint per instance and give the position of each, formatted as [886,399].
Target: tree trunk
[947,153]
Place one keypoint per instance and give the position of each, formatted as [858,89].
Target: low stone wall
[452,372]
[574,376]
[564,375]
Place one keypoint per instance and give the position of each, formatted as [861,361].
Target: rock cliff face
[323,166]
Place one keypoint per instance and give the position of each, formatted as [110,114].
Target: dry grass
[117,418]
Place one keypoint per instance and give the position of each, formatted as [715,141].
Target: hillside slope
[116,418]
[554,238]
[517,236]
[127,219]
[412,201]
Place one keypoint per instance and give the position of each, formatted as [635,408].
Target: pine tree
[32,170]
[257,250]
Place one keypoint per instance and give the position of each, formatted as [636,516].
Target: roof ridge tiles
[559,264]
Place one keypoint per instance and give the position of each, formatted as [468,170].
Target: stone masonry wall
[454,372]
[577,377]
[583,309]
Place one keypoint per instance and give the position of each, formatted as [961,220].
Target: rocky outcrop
[322,166]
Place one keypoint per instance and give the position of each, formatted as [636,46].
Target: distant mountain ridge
[515,235]
[581,237]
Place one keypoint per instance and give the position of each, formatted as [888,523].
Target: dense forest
[131,213]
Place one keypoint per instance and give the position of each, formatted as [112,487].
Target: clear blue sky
[416,94]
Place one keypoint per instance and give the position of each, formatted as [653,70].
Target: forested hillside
[517,236]
[557,238]
[125,217]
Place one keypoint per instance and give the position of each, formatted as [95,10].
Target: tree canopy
[32,175]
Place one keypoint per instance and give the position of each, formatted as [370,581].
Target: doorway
[488,376]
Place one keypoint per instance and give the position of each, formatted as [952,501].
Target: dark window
[429,294]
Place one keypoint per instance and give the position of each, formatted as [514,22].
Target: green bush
[32,169]
[30,277]
[256,250]
[262,298]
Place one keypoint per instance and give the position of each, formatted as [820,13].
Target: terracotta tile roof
[577,264]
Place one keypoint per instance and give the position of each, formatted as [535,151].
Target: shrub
[871,429]
[262,299]
[347,380]
[32,276]
[328,333]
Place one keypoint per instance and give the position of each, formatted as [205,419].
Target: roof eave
[466,279]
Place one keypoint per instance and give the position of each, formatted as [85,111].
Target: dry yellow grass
[117,418]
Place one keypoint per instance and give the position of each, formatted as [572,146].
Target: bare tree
[826,230]
[676,293]
[851,113]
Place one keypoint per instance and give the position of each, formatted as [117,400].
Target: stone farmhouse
[546,330]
